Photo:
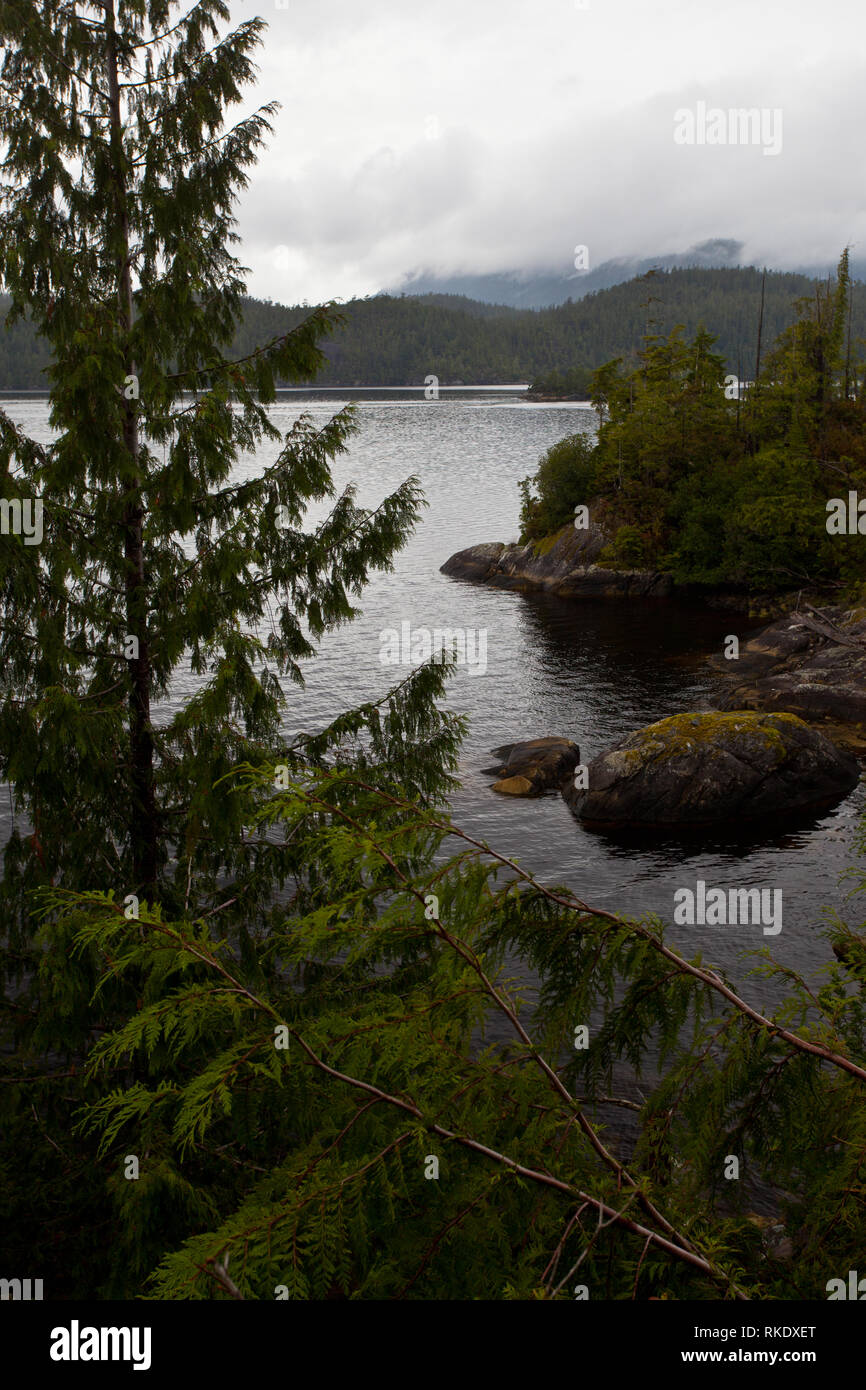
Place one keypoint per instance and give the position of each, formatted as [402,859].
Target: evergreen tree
[155,552]
[162,550]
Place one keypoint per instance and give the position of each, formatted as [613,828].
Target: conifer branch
[706,977]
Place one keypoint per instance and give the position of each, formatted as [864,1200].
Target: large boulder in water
[533,767]
[709,768]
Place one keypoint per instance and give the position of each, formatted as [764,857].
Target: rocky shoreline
[811,662]
[564,564]
[567,565]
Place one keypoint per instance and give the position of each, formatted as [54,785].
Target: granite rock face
[709,769]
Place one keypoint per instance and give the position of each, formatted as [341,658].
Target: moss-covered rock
[711,768]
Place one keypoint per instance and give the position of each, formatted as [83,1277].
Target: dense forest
[689,478]
[388,341]
[574,384]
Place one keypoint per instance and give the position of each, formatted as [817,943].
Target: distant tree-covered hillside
[542,287]
[399,341]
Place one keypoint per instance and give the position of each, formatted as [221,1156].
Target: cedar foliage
[116,226]
[306,1162]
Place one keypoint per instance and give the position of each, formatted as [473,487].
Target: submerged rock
[708,768]
[533,767]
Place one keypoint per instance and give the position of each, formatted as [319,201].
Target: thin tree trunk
[143,818]
[760,331]
[848,345]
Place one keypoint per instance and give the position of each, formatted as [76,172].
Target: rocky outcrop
[812,664]
[564,564]
[706,768]
[533,767]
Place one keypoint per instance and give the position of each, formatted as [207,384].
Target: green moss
[546,543]
[672,736]
[630,760]
[541,547]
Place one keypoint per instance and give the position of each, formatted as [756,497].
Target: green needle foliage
[327,1107]
[159,552]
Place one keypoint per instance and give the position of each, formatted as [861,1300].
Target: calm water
[593,671]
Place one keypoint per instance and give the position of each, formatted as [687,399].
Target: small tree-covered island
[698,480]
[262,1039]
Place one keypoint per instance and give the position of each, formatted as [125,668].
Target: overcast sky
[487,135]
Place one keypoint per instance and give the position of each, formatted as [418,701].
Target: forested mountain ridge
[543,288]
[399,341]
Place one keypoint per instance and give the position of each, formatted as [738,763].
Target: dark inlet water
[591,671]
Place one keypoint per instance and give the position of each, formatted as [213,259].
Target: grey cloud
[362,211]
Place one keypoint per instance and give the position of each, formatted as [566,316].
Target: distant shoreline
[305,390]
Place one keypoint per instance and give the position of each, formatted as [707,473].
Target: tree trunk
[760,331]
[143,817]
